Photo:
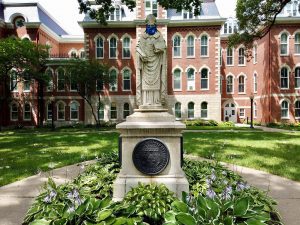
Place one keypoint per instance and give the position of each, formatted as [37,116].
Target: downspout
[269,81]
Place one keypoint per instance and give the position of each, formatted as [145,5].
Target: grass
[220,128]
[276,153]
[27,152]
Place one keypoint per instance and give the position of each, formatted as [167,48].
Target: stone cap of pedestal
[150,116]
[151,125]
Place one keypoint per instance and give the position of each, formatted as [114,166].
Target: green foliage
[227,124]
[287,125]
[201,122]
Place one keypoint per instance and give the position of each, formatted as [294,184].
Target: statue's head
[151,24]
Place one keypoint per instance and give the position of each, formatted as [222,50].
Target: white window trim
[47,110]
[233,78]
[27,111]
[177,118]
[288,109]
[113,119]
[298,117]
[288,42]
[11,119]
[77,119]
[203,109]
[294,35]
[99,110]
[130,72]
[116,84]
[180,47]
[57,110]
[177,68]
[194,46]
[16,89]
[51,78]
[95,41]
[130,40]
[208,40]
[151,8]
[117,40]
[244,116]
[233,51]
[71,51]
[255,54]
[208,75]
[57,79]
[244,64]
[294,72]
[190,118]
[288,77]
[123,112]
[187,80]
[255,90]
[23,86]
[245,84]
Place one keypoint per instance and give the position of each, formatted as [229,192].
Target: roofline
[19,3]
[110,24]
[198,22]
[287,20]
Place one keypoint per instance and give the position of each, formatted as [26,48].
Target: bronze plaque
[151,156]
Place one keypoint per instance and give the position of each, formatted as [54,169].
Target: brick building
[206,79]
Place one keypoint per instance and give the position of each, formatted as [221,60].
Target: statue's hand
[157,50]
[144,58]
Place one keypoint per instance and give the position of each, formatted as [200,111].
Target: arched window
[27,112]
[73,84]
[74,111]
[82,54]
[284,78]
[229,58]
[151,7]
[191,110]
[14,112]
[99,48]
[101,111]
[126,48]
[13,81]
[297,109]
[60,111]
[60,79]
[297,43]
[26,82]
[115,15]
[297,77]
[191,79]
[204,110]
[229,84]
[255,110]
[177,46]
[126,80]
[19,22]
[255,54]
[49,111]
[99,85]
[284,109]
[50,85]
[241,56]
[113,111]
[284,44]
[73,54]
[113,86]
[204,46]
[242,84]
[126,110]
[113,48]
[178,110]
[255,83]
[190,46]
[177,79]
[204,79]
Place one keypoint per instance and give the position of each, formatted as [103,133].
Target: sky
[67,14]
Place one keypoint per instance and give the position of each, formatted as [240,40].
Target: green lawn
[276,153]
[220,128]
[24,153]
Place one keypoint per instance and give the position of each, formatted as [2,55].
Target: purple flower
[52,194]
[242,186]
[224,173]
[210,193]
[47,199]
[78,201]
[71,209]
[75,193]
[208,182]
[213,177]
[226,194]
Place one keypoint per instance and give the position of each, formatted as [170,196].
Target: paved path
[16,198]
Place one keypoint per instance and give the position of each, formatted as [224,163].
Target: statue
[151,63]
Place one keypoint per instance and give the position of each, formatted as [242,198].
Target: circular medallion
[151,156]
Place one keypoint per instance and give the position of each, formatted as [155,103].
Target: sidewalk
[16,198]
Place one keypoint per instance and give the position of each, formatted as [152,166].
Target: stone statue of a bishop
[151,72]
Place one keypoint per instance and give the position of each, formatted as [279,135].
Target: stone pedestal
[144,124]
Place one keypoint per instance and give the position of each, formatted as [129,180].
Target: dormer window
[116,14]
[187,14]
[151,7]
[19,22]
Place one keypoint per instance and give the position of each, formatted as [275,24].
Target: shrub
[227,124]
[201,122]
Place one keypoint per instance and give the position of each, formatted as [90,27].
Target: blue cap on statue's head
[151,24]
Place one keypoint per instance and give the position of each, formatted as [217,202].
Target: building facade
[206,79]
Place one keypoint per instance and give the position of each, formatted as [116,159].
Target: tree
[255,17]
[86,74]
[21,60]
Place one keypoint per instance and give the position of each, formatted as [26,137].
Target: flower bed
[217,196]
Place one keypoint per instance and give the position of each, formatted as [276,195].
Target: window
[204,79]
[113,86]
[27,112]
[99,85]
[297,43]
[284,109]
[297,109]
[73,54]
[20,22]
[241,84]
[126,48]
[151,7]
[14,112]
[255,54]
[229,57]
[126,110]
[115,15]
[82,54]
[73,85]
[242,113]
[49,111]
[204,46]
[191,110]
[255,110]
[204,110]
[229,84]
[74,111]
[190,46]
[50,85]
[255,83]
[241,56]
[101,111]
[26,82]
[13,81]
[177,79]
[126,80]
[284,78]
[60,111]
[113,48]
[113,111]
[99,48]
[177,46]
[178,110]
[297,77]
[191,79]
[187,14]
[284,44]
[60,79]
